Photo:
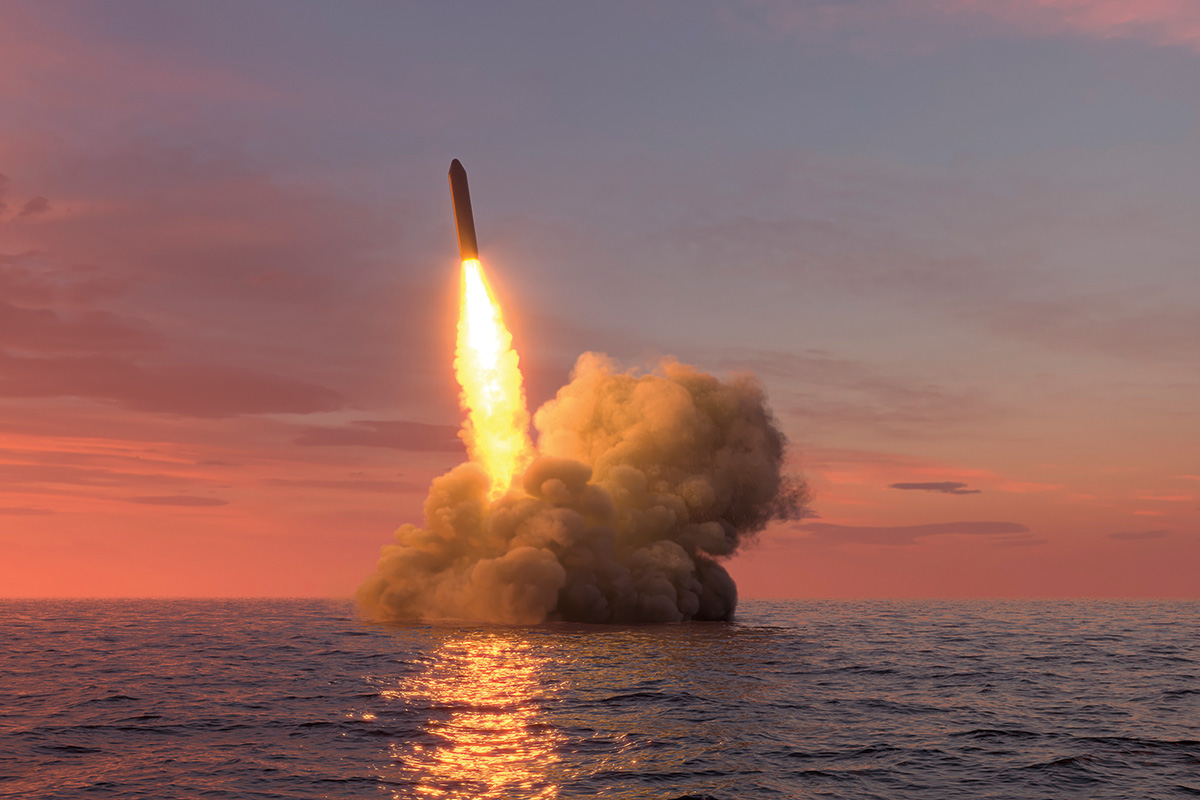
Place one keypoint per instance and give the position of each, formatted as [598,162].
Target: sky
[956,241]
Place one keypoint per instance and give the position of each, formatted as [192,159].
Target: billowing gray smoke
[641,483]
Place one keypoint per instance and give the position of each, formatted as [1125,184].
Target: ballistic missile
[461,196]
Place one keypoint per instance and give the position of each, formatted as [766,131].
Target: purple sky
[956,241]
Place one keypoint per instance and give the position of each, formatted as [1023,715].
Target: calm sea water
[297,699]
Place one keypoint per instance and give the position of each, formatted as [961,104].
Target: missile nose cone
[464,219]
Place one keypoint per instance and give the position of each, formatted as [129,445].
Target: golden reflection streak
[490,744]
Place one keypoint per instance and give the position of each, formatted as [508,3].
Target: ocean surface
[880,699]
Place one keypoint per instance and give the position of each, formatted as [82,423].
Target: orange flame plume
[496,430]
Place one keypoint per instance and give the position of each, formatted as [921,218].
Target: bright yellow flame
[497,426]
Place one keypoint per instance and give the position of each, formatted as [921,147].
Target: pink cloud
[1160,22]
[45,330]
[856,394]
[896,535]
[179,500]
[359,485]
[200,390]
[18,477]
[34,206]
[1138,535]
[847,467]
[1168,22]
[49,57]
[1030,541]
[393,434]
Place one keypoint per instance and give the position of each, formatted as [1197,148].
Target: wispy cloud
[898,535]
[179,500]
[843,391]
[945,487]
[914,23]
[1117,323]
[357,485]
[1167,497]
[200,390]
[1138,535]
[870,468]
[1023,541]
[394,434]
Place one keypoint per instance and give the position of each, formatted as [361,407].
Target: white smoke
[640,484]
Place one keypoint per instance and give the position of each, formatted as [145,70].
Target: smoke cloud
[641,483]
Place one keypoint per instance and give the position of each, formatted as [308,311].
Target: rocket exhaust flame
[497,427]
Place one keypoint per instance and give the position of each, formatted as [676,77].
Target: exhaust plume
[638,485]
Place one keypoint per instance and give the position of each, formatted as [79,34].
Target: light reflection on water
[559,710]
[482,736]
[174,700]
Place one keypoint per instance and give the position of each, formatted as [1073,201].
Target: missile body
[463,218]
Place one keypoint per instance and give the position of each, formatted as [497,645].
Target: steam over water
[300,699]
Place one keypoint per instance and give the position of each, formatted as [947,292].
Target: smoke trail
[640,483]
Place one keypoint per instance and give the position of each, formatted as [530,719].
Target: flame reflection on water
[483,737]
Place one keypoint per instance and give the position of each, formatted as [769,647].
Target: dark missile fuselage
[468,247]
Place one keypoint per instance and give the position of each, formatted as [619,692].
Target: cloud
[1021,542]
[20,477]
[945,487]
[1127,536]
[829,533]
[292,272]
[1163,22]
[383,487]
[45,330]
[34,206]
[197,390]
[22,511]
[1118,323]
[912,22]
[397,435]
[869,468]
[859,394]
[178,500]
[30,278]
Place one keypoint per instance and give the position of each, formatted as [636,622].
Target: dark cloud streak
[945,487]
[179,500]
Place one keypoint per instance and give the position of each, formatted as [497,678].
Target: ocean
[796,699]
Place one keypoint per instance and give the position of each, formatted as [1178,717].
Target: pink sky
[956,242]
